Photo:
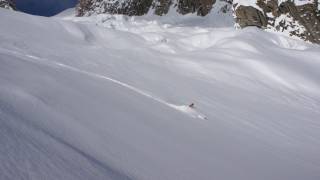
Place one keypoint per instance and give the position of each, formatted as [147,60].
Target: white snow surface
[106,97]
[252,3]
[303,2]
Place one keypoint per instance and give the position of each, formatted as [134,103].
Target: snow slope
[106,97]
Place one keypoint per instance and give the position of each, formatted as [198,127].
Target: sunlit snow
[109,97]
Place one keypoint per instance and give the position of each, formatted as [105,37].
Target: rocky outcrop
[306,16]
[250,16]
[201,7]
[141,7]
[300,18]
[162,7]
[129,7]
[7,4]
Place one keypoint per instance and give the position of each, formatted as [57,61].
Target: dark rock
[84,7]
[307,16]
[7,4]
[162,6]
[301,21]
[141,7]
[201,7]
[129,7]
[250,16]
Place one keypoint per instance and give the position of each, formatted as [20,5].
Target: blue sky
[44,7]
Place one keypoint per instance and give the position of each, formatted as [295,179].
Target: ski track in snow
[181,108]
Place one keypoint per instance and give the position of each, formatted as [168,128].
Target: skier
[191,105]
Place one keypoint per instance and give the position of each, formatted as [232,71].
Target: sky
[44,7]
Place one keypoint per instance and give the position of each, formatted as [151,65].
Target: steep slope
[105,97]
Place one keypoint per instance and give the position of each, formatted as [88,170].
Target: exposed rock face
[162,6]
[141,7]
[306,16]
[201,7]
[250,16]
[7,4]
[126,7]
[301,18]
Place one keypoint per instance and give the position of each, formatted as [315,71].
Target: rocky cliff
[299,18]
[7,4]
[296,18]
[141,7]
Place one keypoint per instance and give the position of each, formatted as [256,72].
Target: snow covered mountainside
[106,97]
